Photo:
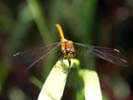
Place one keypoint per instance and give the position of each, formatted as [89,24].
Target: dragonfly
[67,48]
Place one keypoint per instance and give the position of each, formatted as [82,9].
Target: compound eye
[68,50]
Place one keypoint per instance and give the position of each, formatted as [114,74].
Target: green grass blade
[91,85]
[54,85]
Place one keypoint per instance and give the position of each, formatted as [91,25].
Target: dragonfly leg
[69,61]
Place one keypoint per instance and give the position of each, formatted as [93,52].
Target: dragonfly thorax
[67,48]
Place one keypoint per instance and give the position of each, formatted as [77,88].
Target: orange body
[67,46]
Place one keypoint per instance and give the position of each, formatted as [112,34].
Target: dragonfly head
[70,53]
[67,48]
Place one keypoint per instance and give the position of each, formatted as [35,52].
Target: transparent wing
[33,56]
[43,56]
[108,54]
[35,50]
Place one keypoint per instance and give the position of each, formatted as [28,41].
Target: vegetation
[29,24]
